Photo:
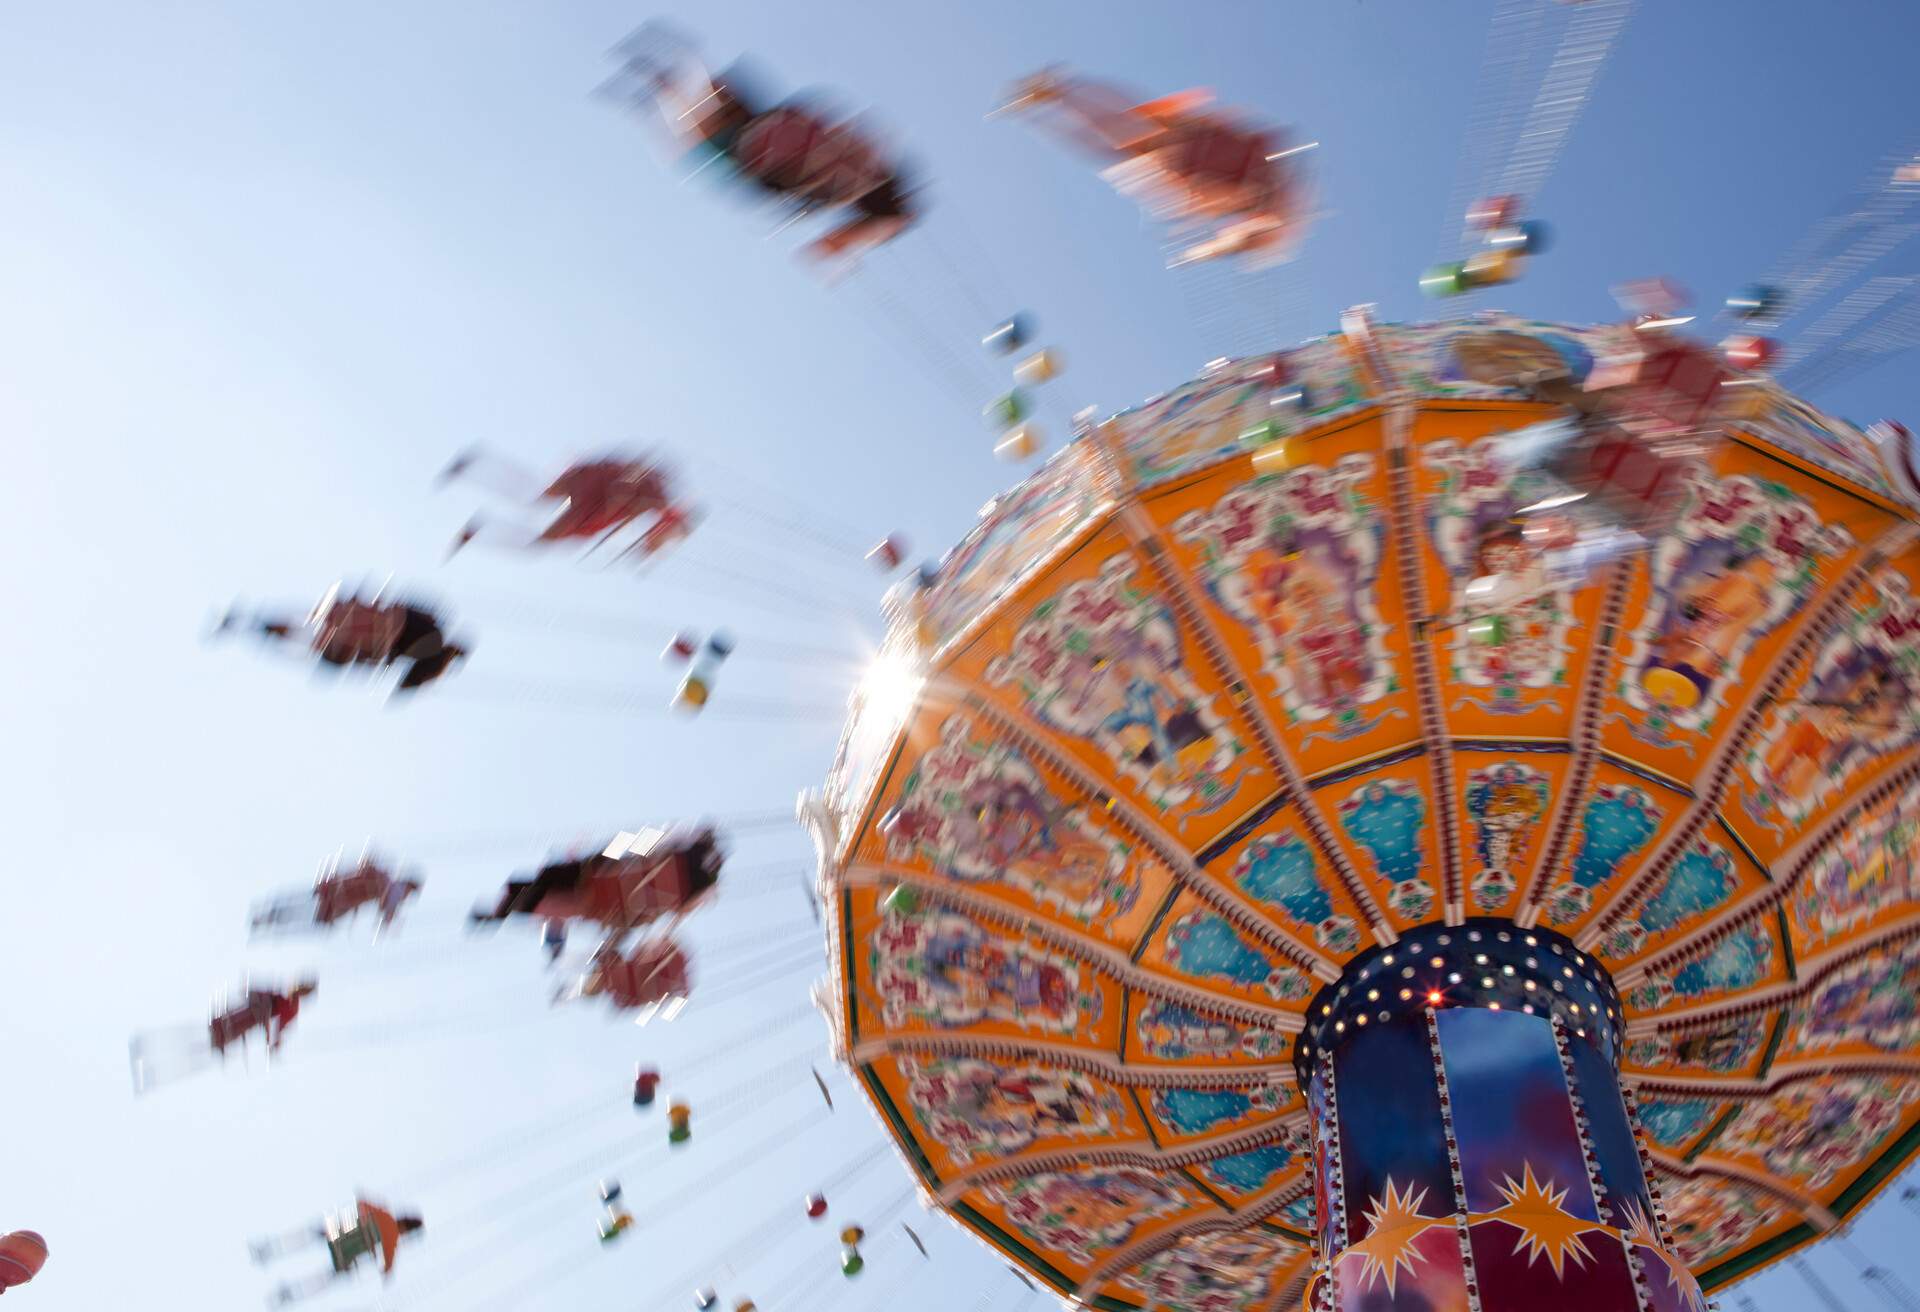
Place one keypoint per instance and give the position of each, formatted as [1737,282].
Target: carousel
[1236,903]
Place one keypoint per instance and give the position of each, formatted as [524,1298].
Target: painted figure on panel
[1087,1211]
[1017,531]
[1743,556]
[1861,702]
[1506,803]
[1729,1044]
[1174,1032]
[977,1107]
[1871,866]
[1709,1217]
[1102,661]
[1808,1132]
[1874,1002]
[978,811]
[1296,559]
[947,970]
[1514,639]
[1549,366]
[1224,1271]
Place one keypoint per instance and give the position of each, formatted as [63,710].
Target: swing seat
[692,694]
[1490,268]
[1493,211]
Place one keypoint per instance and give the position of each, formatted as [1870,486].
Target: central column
[1473,1151]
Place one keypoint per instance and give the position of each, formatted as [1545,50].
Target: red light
[1433,997]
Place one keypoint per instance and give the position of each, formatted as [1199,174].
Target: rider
[268,1010]
[787,148]
[344,631]
[367,885]
[657,971]
[619,892]
[1192,164]
[594,498]
[359,1231]
[338,894]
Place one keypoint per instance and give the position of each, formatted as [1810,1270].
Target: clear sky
[265,267]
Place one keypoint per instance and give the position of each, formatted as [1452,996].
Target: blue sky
[264,268]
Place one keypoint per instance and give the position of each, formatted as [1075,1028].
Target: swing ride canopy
[1163,747]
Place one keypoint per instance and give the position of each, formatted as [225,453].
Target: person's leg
[520,896]
[421,672]
[1241,238]
[878,217]
[864,235]
[560,877]
[420,636]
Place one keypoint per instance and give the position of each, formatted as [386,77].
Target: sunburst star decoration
[1534,1208]
[1640,1231]
[1393,1224]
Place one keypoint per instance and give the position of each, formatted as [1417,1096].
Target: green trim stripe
[1875,1175]
[919,1157]
[1145,1120]
[1714,1131]
[1741,843]
[847,951]
[1743,1264]
[1201,1185]
[1153,926]
[1884,1167]
[1036,1265]
[1773,1042]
